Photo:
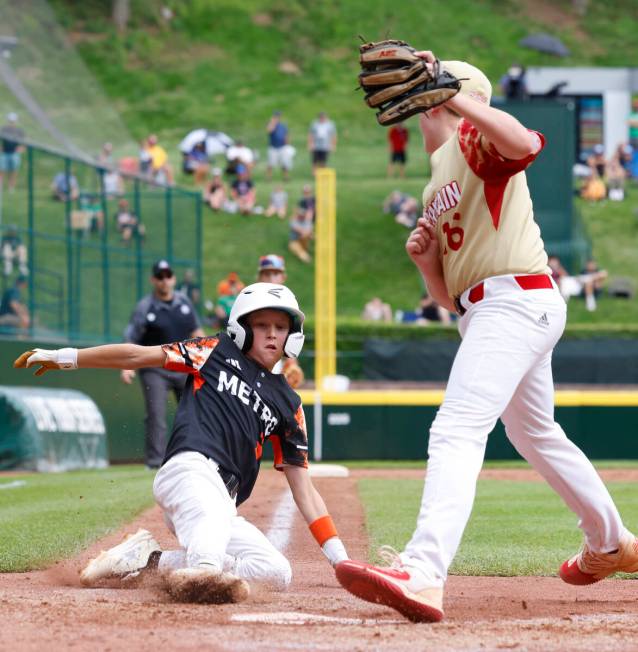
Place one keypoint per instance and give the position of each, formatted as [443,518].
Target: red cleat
[588,567]
[394,587]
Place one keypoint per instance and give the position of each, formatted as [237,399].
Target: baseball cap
[474,82]
[232,276]
[161,266]
[598,149]
[271,261]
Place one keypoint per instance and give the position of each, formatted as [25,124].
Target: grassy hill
[228,64]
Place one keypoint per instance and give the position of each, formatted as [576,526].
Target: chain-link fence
[79,240]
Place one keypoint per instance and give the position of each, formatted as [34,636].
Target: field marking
[13,485]
[279,532]
[297,618]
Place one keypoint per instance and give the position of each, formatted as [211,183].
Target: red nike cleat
[394,587]
[588,567]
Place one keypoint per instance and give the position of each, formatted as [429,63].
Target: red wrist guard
[323,529]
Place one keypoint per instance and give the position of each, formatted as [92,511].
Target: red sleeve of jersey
[292,447]
[189,356]
[484,159]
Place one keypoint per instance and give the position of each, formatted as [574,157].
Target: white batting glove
[334,550]
[48,359]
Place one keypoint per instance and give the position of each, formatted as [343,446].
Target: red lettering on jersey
[453,234]
[444,199]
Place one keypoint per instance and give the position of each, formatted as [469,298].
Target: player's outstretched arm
[313,509]
[109,356]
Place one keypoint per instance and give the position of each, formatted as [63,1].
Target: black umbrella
[545,43]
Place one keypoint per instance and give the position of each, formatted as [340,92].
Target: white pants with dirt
[203,516]
[503,369]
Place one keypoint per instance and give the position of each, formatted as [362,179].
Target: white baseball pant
[198,509]
[503,369]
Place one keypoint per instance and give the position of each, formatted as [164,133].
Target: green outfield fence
[83,279]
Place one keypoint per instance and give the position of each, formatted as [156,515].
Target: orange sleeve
[188,356]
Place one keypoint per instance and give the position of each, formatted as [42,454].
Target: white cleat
[207,585]
[130,556]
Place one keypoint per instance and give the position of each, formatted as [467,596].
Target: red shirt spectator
[398,137]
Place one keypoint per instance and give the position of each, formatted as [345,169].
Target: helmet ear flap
[241,333]
[294,344]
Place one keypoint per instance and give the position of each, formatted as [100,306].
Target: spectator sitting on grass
[377,310]
[215,194]
[65,188]
[128,224]
[13,250]
[278,203]
[584,285]
[239,155]
[196,163]
[307,203]
[429,311]
[243,191]
[300,235]
[10,150]
[13,311]
[232,285]
[404,207]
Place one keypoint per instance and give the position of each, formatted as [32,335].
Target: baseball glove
[293,373]
[399,84]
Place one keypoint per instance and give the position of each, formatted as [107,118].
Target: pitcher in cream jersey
[481,254]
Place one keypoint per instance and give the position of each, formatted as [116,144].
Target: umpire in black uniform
[159,318]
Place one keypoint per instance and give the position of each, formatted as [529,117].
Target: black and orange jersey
[230,406]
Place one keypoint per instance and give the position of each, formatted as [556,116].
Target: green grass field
[516,528]
[54,516]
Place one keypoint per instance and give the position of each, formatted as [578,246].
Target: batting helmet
[260,296]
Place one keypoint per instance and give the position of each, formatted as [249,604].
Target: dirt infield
[49,609]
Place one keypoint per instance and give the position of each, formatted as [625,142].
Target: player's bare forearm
[504,131]
[307,498]
[121,356]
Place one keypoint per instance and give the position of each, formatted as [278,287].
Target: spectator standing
[280,152]
[161,317]
[10,157]
[398,137]
[13,311]
[160,169]
[513,83]
[243,191]
[13,249]
[322,140]
[377,310]
[216,194]
[278,204]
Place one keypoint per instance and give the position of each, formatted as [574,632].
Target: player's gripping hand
[423,246]
[48,359]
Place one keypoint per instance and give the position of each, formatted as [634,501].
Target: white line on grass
[13,485]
